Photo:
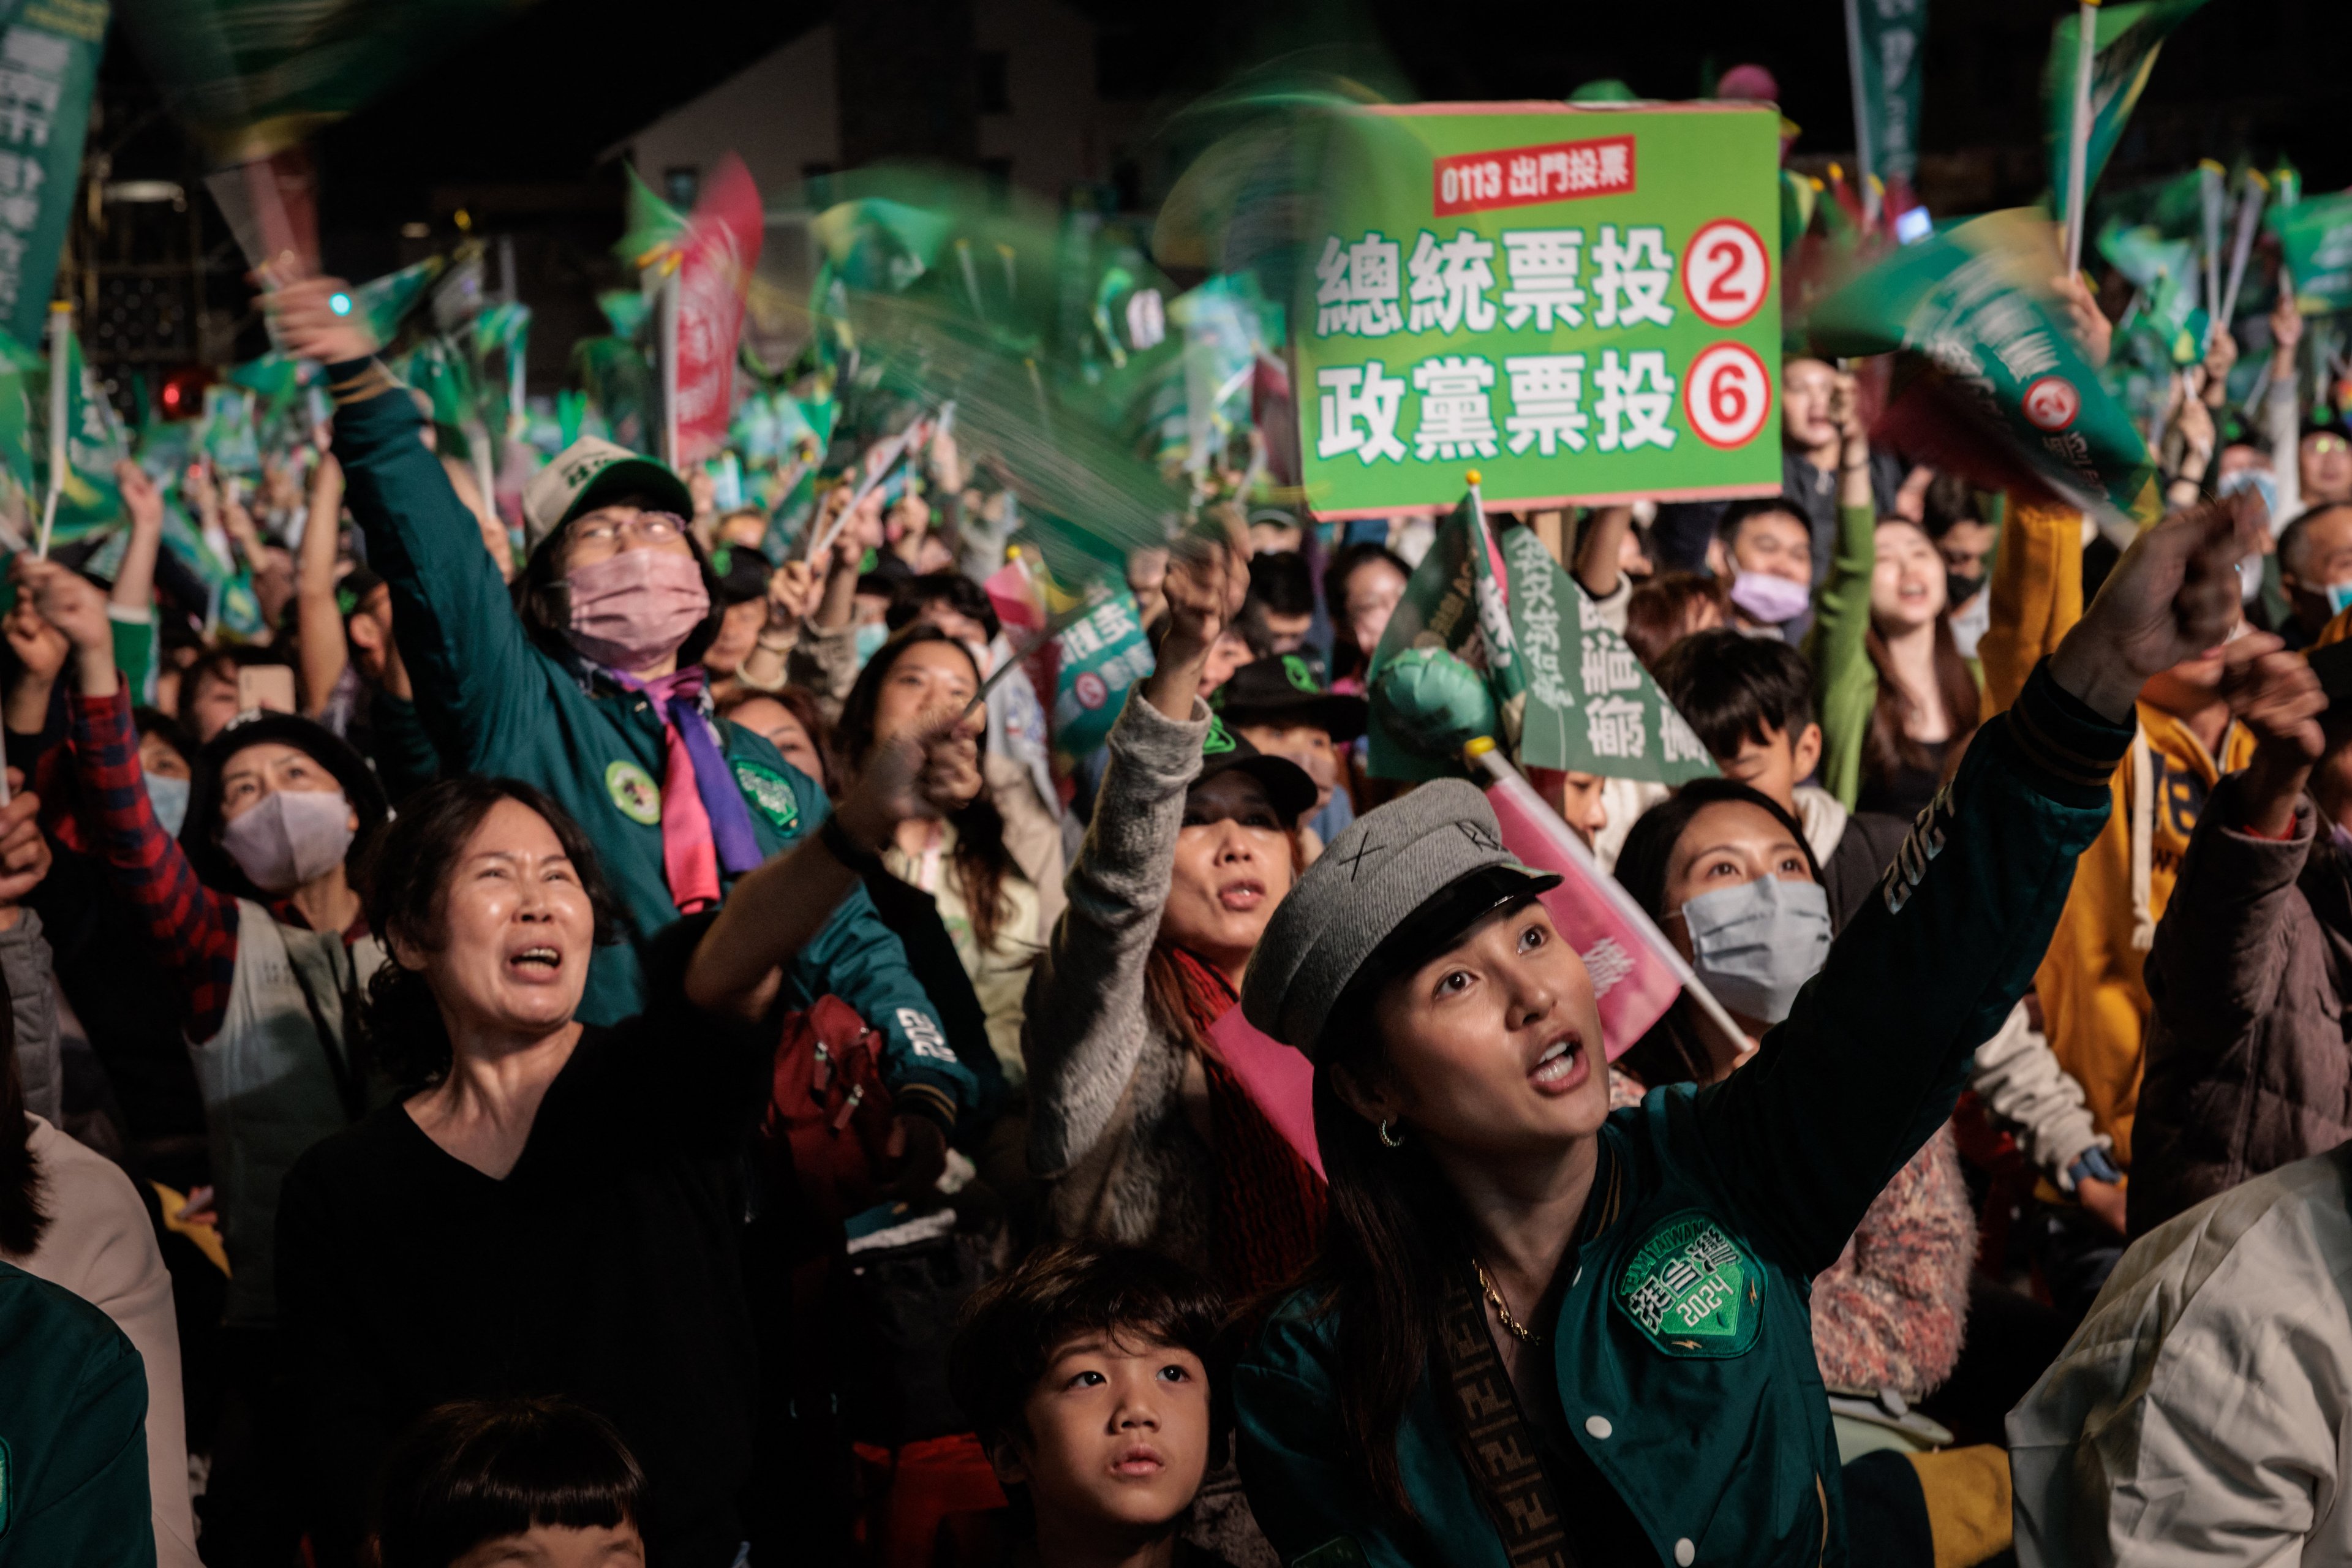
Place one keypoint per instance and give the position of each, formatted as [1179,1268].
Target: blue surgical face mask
[870,638]
[2339,598]
[170,799]
[1756,944]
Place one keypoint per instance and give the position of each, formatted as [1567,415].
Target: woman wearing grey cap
[1543,1333]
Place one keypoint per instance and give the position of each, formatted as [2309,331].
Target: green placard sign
[1580,302]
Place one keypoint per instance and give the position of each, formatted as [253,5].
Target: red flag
[716,254]
[1635,973]
[1279,1079]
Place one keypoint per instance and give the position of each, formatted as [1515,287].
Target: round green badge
[771,794]
[634,792]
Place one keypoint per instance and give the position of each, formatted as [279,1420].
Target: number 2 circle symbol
[1728,394]
[1726,272]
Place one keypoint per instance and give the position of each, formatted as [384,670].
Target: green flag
[88,500]
[1884,40]
[387,302]
[1590,706]
[1990,373]
[229,438]
[2125,40]
[49,67]
[1448,667]
[2315,241]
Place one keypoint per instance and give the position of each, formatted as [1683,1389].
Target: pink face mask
[637,608]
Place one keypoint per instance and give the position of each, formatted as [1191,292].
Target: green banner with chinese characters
[1884,40]
[49,67]
[1590,706]
[1581,302]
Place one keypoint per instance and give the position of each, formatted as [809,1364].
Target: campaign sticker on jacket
[772,794]
[1692,1288]
[633,791]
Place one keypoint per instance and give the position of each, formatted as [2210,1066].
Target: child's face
[1118,1437]
[561,1546]
[1777,764]
[1305,745]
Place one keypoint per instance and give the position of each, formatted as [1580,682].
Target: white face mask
[292,837]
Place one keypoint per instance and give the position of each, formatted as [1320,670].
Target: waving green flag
[49,69]
[1990,373]
[2126,38]
[1448,667]
[96,440]
[1590,706]
[2315,241]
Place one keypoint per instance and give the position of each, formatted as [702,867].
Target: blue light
[341,304]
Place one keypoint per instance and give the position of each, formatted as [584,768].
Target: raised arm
[320,620]
[1879,1041]
[131,604]
[2037,595]
[2281,408]
[1845,681]
[193,928]
[1088,1018]
[476,679]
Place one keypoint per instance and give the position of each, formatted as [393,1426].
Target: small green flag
[1990,368]
[1453,606]
[2315,241]
[1590,706]
[2126,40]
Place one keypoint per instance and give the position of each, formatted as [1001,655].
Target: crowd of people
[583,1041]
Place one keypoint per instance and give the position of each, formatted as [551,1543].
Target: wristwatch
[2092,1164]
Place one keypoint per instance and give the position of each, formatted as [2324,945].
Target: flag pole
[1484,754]
[2078,137]
[1864,162]
[2250,215]
[60,342]
[666,337]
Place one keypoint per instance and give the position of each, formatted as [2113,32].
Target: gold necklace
[1503,1308]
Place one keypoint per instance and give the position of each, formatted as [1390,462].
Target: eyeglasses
[650,527]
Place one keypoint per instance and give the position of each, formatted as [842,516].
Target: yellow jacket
[2095,1004]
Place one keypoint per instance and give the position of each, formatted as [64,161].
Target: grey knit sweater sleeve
[1087,1021]
[33,1008]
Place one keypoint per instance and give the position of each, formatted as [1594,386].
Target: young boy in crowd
[1751,702]
[1086,1372]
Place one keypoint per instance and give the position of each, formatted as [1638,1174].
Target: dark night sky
[540,95]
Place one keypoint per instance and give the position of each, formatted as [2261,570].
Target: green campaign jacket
[1683,1351]
[73,1434]
[494,702]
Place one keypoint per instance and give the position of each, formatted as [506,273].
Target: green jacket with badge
[1683,1351]
[496,703]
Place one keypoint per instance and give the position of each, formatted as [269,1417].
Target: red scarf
[1267,1222]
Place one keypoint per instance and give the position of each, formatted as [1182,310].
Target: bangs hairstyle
[480,1470]
[1732,688]
[1659,609]
[1674,1050]
[399,1027]
[1887,748]
[979,854]
[1012,1325]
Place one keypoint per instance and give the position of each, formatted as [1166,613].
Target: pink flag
[1635,973]
[716,256]
[1281,1080]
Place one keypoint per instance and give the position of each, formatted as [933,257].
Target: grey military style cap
[1372,881]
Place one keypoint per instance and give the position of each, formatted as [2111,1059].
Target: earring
[1387,1138]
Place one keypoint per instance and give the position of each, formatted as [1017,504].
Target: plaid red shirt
[193,928]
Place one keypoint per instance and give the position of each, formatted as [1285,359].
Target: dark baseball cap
[1282,689]
[1286,783]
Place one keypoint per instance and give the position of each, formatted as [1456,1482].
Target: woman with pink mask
[586,682]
